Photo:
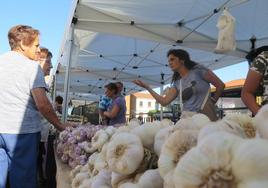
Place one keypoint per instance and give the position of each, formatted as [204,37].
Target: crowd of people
[27,113]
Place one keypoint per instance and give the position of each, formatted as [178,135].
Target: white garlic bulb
[161,137]
[150,179]
[102,180]
[124,153]
[174,148]
[222,126]
[129,185]
[79,178]
[146,133]
[75,171]
[250,160]
[99,139]
[110,130]
[91,164]
[244,121]
[168,180]
[261,120]
[86,183]
[208,164]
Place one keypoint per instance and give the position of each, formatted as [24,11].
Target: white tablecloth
[62,177]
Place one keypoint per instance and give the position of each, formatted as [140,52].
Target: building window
[141,103]
[149,104]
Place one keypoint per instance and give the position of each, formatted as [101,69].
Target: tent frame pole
[67,78]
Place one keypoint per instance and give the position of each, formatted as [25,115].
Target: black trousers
[51,168]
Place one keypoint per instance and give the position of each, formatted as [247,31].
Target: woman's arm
[163,100]
[215,81]
[113,113]
[247,95]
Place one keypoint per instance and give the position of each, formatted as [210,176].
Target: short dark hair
[44,53]
[112,87]
[59,99]
[21,33]
[119,83]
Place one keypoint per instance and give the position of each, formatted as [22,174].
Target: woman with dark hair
[190,81]
[116,112]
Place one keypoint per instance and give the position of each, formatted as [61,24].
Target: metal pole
[161,107]
[67,78]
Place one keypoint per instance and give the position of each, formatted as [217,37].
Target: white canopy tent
[122,40]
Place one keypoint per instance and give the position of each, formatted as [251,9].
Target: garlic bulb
[253,184]
[100,163]
[123,129]
[250,160]
[168,180]
[110,130]
[151,179]
[261,120]
[79,178]
[200,120]
[208,164]
[102,180]
[99,139]
[86,183]
[119,179]
[197,121]
[75,171]
[166,123]
[244,121]
[222,126]
[161,137]
[124,153]
[146,133]
[129,185]
[133,123]
[91,164]
[174,148]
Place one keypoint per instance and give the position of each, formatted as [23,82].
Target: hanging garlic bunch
[261,120]
[244,121]
[124,153]
[161,137]
[209,164]
[174,148]
[146,133]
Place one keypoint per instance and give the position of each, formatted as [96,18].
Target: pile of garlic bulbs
[193,153]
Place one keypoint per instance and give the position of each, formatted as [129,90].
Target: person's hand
[66,125]
[140,83]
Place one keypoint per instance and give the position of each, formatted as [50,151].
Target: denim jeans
[18,159]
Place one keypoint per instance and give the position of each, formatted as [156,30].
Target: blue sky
[50,17]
